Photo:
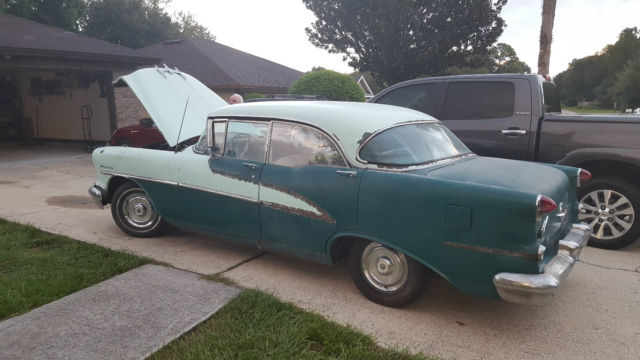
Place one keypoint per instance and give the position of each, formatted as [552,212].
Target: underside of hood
[169,95]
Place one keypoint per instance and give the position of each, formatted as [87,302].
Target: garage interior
[41,105]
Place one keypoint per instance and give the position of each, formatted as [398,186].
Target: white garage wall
[58,116]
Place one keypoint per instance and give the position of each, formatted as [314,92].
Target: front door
[307,191]
[220,190]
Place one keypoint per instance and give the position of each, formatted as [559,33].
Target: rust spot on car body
[323,216]
[72,201]
[492,251]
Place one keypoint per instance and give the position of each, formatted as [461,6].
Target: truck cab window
[551,97]
[421,97]
[479,100]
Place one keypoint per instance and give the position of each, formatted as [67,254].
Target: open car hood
[164,93]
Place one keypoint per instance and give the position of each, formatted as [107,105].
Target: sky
[275,30]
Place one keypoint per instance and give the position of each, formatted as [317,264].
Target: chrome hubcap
[609,213]
[138,211]
[384,269]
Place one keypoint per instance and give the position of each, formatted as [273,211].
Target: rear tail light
[583,176]
[544,205]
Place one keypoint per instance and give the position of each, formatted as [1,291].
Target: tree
[546,33]
[187,25]
[130,23]
[139,23]
[500,58]
[65,14]
[626,90]
[593,78]
[504,60]
[397,40]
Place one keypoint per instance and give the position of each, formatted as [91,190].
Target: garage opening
[41,105]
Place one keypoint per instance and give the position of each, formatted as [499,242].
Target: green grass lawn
[37,267]
[590,110]
[256,325]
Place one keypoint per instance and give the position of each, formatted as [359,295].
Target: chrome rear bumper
[97,194]
[539,289]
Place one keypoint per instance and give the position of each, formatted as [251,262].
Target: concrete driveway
[596,315]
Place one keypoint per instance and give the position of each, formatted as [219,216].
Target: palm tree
[546,30]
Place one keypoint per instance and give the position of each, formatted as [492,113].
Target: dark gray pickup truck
[518,116]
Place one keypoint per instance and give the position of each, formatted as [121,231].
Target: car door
[492,117]
[220,189]
[307,191]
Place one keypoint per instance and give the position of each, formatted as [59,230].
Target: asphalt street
[595,315]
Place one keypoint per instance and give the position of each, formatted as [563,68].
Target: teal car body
[252,179]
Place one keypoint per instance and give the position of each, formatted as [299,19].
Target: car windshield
[412,144]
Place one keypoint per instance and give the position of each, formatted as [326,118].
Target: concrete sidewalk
[129,316]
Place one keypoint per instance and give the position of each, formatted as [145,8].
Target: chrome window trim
[331,136]
[230,120]
[211,127]
[268,158]
[404,167]
[178,184]
[421,166]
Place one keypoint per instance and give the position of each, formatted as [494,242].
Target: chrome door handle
[250,166]
[349,173]
[513,132]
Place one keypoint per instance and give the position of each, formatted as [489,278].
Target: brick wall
[129,110]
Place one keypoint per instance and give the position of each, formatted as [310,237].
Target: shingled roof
[19,36]
[222,67]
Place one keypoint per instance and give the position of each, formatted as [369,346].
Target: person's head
[235,99]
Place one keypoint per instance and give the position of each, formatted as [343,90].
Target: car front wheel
[384,275]
[133,212]
[611,207]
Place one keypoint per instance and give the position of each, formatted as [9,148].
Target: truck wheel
[133,212]
[611,207]
[383,275]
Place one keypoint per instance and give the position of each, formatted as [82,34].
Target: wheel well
[340,247]
[615,168]
[340,250]
[114,184]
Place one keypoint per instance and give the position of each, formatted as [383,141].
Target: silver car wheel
[609,213]
[385,269]
[138,211]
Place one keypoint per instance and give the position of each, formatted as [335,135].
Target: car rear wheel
[384,275]
[133,212]
[611,207]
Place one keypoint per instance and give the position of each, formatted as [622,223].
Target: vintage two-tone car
[391,189]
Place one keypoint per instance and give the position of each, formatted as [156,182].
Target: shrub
[253,95]
[330,84]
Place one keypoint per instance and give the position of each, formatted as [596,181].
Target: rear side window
[422,97]
[296,146]
[479,100]
[551,97]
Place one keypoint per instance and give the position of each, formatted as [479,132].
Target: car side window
[245,140]
[295,146]
[479,100]
[421,97]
